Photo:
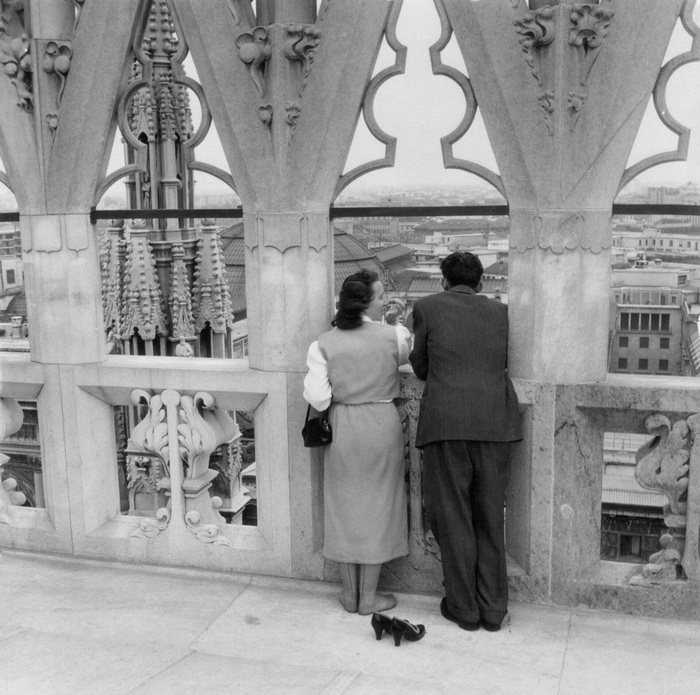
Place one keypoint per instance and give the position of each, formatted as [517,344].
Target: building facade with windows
[651,317]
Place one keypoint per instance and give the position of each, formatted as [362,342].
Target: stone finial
[142,310]
[212,298]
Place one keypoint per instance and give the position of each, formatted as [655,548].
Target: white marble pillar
[289,285]
[562,88]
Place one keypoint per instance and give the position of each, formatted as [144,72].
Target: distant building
[678,239]
[652,318]
[11,274]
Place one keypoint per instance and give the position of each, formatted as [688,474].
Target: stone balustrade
[554,503]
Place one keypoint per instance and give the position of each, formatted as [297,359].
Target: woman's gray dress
[364,471]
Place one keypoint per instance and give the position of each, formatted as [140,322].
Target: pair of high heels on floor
[397,628]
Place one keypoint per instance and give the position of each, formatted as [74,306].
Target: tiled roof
[638,498]
[497,268]
[391,253]
[490,285]
[422,286]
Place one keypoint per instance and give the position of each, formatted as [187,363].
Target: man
[468,417]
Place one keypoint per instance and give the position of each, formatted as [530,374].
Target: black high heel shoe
[402,628]
[381,624]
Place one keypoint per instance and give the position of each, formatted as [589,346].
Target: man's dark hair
[462,268]
[355,297]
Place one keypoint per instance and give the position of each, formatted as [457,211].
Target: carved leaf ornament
[201,428]
[662,464]
[16,61]
[11,417]
[588,28]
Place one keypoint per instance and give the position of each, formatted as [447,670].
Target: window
[644,323]
[10,275]
[665,321]
[634,322]
[655,322]
[644,343]
[623,341]
[682,280]
[622,363]
[664,343]
[663,365]
[624,322]
[643,364]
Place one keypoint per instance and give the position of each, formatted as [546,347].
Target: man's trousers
[464,487]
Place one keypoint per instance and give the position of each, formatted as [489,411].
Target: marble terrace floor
[78,627]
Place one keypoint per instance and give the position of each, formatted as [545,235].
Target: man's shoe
[490,627]
[465,625]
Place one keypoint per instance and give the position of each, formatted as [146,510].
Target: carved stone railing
[179,433]
[670,463]
[554,503]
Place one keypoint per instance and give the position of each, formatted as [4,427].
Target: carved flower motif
[590,25]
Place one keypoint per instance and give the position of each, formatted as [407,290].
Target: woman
[354,369]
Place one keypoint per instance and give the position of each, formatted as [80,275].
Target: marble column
[562,88]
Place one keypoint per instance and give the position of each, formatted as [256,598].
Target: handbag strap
[323,414]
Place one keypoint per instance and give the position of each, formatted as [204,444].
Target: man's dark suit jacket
[460,350]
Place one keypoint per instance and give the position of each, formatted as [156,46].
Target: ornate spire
[111,276]
[142,310]
[212,298]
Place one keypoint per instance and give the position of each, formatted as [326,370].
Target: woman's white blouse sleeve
[317,388]
[403,336]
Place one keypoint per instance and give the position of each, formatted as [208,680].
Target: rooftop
[82,627]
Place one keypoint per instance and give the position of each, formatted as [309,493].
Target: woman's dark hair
[355,297]
[462,268]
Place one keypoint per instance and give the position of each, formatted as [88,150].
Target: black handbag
[317,430]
